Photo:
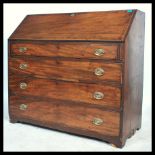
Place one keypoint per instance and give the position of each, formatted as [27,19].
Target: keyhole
[72,14]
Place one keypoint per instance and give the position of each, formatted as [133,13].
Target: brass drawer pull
[99,71]
[99,52]
[22,49]
[98,95]
[97,121]
[23,85]
[23,107]
[23,66]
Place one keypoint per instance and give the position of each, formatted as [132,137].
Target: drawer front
[67,70]
[60,114]
[93,94]
[69,50]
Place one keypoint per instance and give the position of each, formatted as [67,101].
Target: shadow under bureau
[80,73]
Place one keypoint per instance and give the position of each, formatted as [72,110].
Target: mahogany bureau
[81,73]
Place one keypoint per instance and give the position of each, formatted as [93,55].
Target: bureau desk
[81,73]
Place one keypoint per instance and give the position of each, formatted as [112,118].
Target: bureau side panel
[133,76]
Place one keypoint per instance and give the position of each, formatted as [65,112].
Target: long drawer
[60,114]
[66,49]
[91,94]
[86,71]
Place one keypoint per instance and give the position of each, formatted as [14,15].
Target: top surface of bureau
[83,26]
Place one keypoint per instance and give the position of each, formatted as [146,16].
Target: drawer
[79,71]
[68,50]
[58,114]
[90,94]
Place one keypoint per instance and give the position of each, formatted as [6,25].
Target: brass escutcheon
[22,49]
[99,71]
[98,95]
[23,85]
[23,107]
[99,52]
[97,121]
[72,14]
[23,66]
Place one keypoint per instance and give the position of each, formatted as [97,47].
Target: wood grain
[105,26]
[78,71]
[57,113]
[69,50]
[78,92]
[133,76]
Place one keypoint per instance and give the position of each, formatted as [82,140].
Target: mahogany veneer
[80,73]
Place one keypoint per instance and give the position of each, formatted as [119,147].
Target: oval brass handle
[23,85]
[98,95]
[97,121]
[22,49]
[23,107]
[99,52]
[99,71]
[23,66]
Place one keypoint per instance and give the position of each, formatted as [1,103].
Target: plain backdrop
[23,137]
